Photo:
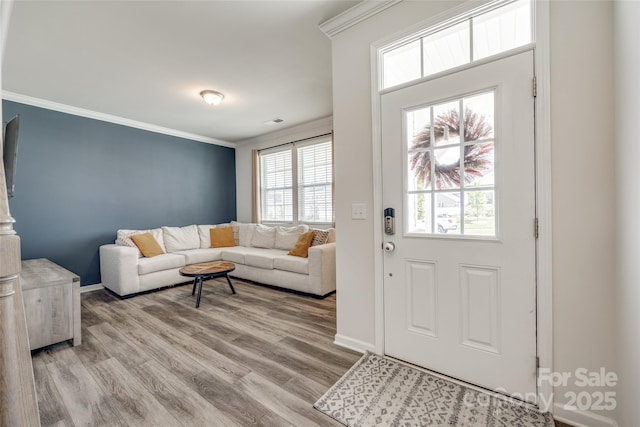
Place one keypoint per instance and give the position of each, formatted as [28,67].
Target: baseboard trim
[91,288]
[580,418]
[353,344]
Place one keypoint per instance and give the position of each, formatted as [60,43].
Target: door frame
[542,141]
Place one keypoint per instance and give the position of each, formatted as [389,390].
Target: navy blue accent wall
[79,180]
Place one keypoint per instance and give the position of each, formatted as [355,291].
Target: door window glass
[450,186]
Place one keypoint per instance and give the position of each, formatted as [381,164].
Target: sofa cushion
[320,237]
[147,245]
[203,233]
[123,238]
[301,248]
[238,254]
[262,259]
[294,264]
[160,262]
[235,254]
[331,238]
[195,256]
[181,238]
[222,237]
[286,237]
[263,237]
[245,232]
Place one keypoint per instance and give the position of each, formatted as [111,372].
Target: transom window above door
[450,167]
[493,29]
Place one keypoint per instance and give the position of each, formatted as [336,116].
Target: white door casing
[461,305]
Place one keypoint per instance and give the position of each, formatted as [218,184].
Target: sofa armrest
[322,268]
[119,269]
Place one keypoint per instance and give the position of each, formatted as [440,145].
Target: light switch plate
[358,211]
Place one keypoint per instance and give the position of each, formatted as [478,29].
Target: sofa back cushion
[286,237]
[205,237]
[244,231]
[263,237]
[181,238]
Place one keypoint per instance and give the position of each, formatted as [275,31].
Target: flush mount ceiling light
[212,97]
[273,122]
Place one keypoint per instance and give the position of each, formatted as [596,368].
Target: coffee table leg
[199,279]
[195,282]
[230,285]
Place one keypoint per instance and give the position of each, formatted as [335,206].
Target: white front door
[458,169]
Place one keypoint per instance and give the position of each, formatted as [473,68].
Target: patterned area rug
[378,391]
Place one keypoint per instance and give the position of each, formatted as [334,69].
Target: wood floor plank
[321,355]
[183,402]
[116,346]
[91,351]
[174,348]
[322,374]
[132,399]
[281,401]
[306,388]
[50,403]
[264,366]
[260,357]
[85,401]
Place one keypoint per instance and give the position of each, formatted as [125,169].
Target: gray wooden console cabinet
[51,303]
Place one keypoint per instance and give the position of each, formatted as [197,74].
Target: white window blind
[315,183]
[277,186]
[296,183]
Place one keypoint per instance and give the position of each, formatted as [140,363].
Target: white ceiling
[148,60]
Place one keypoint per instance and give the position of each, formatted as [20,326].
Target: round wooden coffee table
[205,271]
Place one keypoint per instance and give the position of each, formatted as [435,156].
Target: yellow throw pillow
[301,247]
[222,237]
[147,245]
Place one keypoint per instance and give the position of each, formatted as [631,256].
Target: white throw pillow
[263,237]
[286,237]
[245,232]
[181,238]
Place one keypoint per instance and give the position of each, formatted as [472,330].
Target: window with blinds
[277,186]
[315,183]
[296,184]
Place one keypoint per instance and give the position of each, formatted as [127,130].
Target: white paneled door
[458,170]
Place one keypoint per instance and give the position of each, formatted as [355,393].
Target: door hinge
[536,228]
[535,87]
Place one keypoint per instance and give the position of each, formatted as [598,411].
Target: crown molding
[63,108]
[354,15]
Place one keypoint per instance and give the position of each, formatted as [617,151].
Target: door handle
[389,247]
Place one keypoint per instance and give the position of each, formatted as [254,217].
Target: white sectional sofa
[125,271]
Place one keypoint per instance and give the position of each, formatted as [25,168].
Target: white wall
[243,157]
[353,164]
[583,183]
[627,90]
[583,170]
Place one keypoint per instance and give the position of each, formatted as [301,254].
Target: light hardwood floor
[260,357]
